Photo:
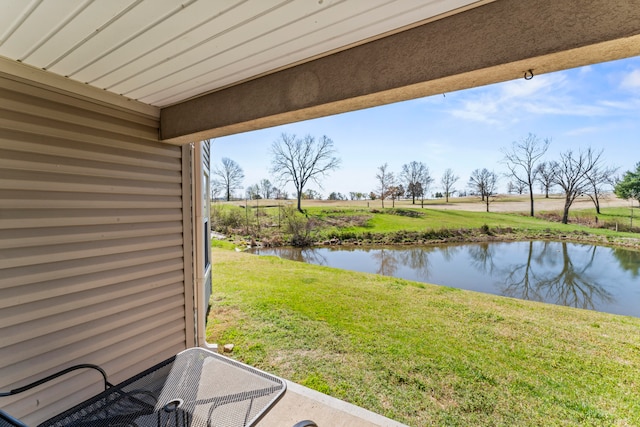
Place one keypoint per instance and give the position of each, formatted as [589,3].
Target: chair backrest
[7,420]
[107,384]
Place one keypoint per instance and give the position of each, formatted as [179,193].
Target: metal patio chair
[164,396]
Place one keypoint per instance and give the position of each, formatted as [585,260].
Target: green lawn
[610,217]
[396,226]
[424,354]
[370,225]
[390,220]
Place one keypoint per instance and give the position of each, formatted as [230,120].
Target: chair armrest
[107,384]
[7,420]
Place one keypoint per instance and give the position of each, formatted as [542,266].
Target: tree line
[301,160]
[294,160]
[576,173]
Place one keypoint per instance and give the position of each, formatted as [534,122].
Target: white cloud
[586,70]
[480,111]
[630,104]
[583,131]
[546,95]
[539,85]
[631,81]
[564,108]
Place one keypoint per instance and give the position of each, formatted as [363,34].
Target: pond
[577,275]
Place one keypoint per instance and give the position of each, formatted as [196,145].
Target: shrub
[224,220]
[298,226]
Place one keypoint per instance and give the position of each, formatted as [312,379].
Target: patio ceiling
[210,68]
[162,52]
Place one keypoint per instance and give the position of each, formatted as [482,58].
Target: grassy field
[424,354]
[353,223]
[501,203]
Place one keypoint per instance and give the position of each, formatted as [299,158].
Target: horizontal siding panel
[64,113]
[47,128]
[105,151]
[20,161]
[84,105]
[42,308]
[59,295]
[23,331]
[15,199]
[38,181]
[61,270]
[139,357]
[93,330]
[18,257]
[92,250]
[17,295]
[17,218]
[34,237]
[48,362]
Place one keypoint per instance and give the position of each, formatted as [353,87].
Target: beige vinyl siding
[91,245]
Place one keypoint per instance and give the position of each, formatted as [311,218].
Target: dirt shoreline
[480,236]
[509,204]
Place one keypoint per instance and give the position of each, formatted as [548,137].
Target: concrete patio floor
[301,403]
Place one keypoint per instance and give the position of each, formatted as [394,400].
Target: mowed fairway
[501,203]
[426,354]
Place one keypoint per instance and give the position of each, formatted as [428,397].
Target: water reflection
[520,281]
[629,260]
[576,275]
[482,256]
[417,259]
[386,261]
[308,255]
[575,286]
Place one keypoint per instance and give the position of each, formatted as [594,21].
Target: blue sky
[597,106]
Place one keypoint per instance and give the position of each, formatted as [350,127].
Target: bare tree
[298,160]
[386,180]
[280,194]
[545,175]
[517,187]
[215,190]
[229,177]
[415,190]
[396,192]
[522,158]
[425,182]
[485,183]
[571,175]
[447,181]
[266,188]
[253,192]
[312,194]
[600,179]
[411,175]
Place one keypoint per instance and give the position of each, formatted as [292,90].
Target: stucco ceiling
[161,52]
